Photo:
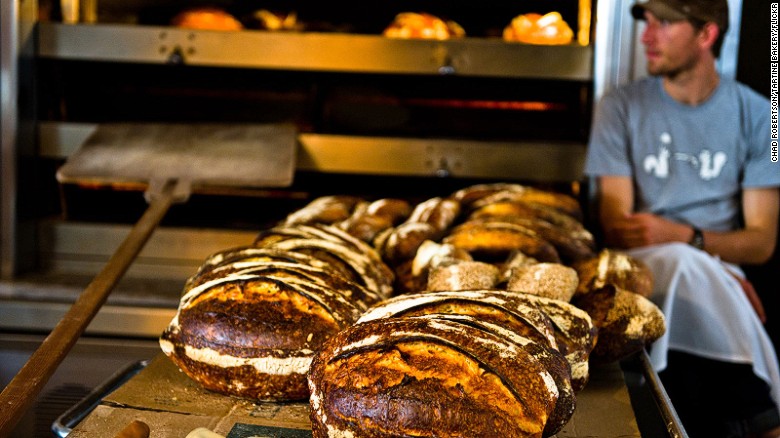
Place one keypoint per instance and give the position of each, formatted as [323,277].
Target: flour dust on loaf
[430,376]
[251,319]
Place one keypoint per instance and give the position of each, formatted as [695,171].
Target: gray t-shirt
[689,163]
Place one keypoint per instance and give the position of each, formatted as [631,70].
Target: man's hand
[642,229]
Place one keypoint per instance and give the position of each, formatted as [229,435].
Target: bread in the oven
[421,25]
[431,375]
[616,267]
[206,18]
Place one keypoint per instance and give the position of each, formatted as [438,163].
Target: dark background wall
[753,70]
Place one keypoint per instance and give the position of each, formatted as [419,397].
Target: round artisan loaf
[430,376]
[551,280]
[627,322]
[556,323]
[349,256]
[614,267]
[254,335]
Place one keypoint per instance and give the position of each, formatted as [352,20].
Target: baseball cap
[716,11]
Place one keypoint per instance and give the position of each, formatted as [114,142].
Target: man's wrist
[697,239]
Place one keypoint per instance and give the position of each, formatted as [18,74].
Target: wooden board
[174,405]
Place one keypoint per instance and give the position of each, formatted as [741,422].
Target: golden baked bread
[324,210]
[572,244]
[533,28]
[206,18]
[494,241]
[430,376]
[614,267]
[413,25]
[554,323]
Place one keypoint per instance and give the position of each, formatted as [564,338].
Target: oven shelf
[311,51]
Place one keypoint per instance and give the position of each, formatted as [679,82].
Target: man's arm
[753,244]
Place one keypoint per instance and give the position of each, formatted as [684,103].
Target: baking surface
[231,155]
[173,405]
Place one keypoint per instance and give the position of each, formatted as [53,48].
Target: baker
[686,183]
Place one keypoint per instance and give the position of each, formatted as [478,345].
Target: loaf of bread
[533,28]
[324,210]
[466,275]
[554,323]
[494,241]
[627,322]
[433,375]
[613,267]
[551,280]
[206,18]
[413,25]
[252,318]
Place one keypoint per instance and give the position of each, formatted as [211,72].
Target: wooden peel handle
[21,392]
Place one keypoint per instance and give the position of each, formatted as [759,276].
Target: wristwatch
[697,240]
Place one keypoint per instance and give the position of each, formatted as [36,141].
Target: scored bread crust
[254,335]
[426,376]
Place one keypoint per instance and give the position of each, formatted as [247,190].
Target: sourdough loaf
[430,376]
[614,267]
[252,318]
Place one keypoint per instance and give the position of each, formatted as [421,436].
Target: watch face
[697,241]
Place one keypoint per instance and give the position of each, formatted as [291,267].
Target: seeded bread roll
[614,267]
[551,280]
[430,376]
[462,276]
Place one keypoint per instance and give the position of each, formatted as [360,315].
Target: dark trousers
[717,399]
